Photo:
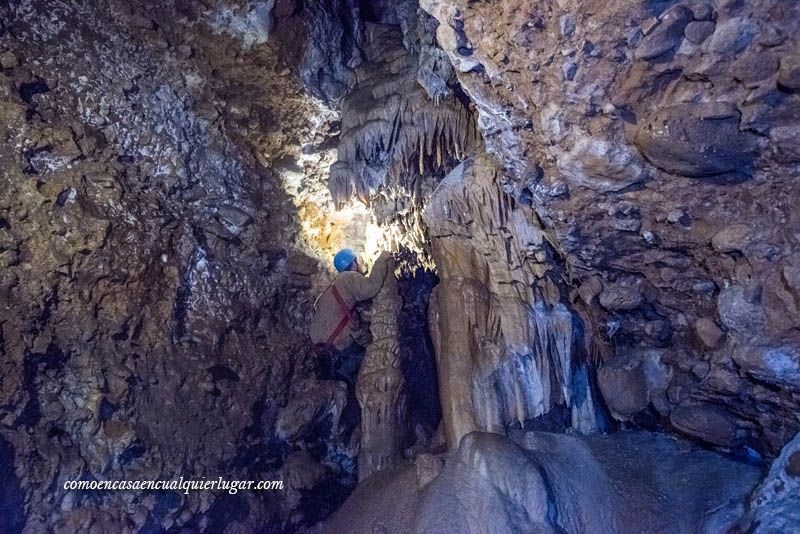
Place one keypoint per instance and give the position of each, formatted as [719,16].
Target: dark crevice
[30,89]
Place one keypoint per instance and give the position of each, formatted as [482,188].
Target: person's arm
[366,287]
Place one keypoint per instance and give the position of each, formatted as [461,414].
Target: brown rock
[427,467]
[114,430]
[738,312]
[630,381]
[699,31]
[618,297]
[733,35]
[707,422]
[793,465]
[702,10]
[624,387]
[8,60]
[755,66]
[697,140]
[779,365]
[708,332]
[666,36]
[589,289]
[789,75]
[732,238]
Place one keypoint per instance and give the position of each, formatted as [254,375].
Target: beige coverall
[354,287]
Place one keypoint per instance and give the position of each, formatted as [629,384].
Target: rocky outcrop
[539,484]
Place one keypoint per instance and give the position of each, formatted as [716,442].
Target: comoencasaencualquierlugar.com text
[231,486]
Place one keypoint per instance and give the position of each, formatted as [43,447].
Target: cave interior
[590,320]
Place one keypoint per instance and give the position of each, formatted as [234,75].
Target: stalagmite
[380,388]
[507,353]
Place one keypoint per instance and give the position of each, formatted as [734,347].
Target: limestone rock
[775,504]
[521,483]
[428,468]
[708,332]
[775,365]
[619,297]
[789,75]
[738,312]
[706,422]
[732,238]
[381,386]
[667,35]
[699,30]
[733,35]
[754,67]
[598,165]
[8,60]
[629,383]
[490,378]
[696,140]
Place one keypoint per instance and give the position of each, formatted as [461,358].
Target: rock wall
[164,206]
[657,143]
[153,282]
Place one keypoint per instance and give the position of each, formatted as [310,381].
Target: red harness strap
[348,317]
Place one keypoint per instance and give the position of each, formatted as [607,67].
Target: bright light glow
[374,242]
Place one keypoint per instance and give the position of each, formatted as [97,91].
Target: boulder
[708,332]
[705,421]
[8,60]
[619,297]
[699,31]
[667,35]
[624,387]
[629,382]
[696,139]
[789,74]
[600,165]
[738,312]
[732,238]
[732,36]
[755,66]
[543,482]
[778,365]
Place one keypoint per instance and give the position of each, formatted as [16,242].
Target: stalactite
[392,131]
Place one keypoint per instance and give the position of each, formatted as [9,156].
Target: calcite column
[506,342]
[380,388]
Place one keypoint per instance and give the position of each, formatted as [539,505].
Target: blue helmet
[344,259]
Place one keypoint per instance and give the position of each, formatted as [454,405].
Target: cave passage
[589,316]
